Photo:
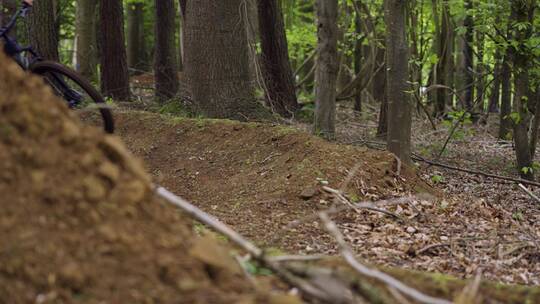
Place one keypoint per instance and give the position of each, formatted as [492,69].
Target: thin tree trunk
[181,37]
[468,58]
[493,106]
[397,59]
[42,28]
[135,37]
[358,58]
[505,125]
[165,66]
[380,90]
[114,71]
[327,69]
[278,76]
[480,69]
[87,57]
[522,11]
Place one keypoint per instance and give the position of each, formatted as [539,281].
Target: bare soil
[261,179]
[79,223]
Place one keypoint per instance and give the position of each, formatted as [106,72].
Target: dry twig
[390,281]
[529,192]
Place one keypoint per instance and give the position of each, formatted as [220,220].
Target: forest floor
[261,178]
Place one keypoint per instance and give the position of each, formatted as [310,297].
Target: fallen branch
[529,192]
[356,207]
[348,255]
[429,247]
[239,240]
[292,258]
[475,172]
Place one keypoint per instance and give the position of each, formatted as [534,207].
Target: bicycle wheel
[78,92]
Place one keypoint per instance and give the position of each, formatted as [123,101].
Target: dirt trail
[258,178]
[78,221]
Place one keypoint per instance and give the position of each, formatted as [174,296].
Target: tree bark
[87,57]
[522,11]
[495,96]
[468,59]
[135,37]
[327,69]
[380,94]
[217,60]
[278,76]
[358,54]
[480,69]
[505,125]
[165,66]
[114,71]
[397,60]
[43,30]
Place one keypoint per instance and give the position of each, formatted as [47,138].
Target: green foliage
[302,40]
[255,269]
[307,113]
[437,179]
[173,107]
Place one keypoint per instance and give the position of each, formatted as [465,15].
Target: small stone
[411,230]
[444,238]
[309,193]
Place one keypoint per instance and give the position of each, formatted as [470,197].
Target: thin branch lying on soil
[475,172]
[325,294]
[429,247]
[292,258]
[240,241]
[416,157]
[341,198]
[390,281]
[529,192]
[335,209]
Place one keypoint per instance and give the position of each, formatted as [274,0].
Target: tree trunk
[505,126]
[165,66]
[493,106]
[522,11]
[42,28]
[327,69]
[114,71]
[278,76]
[217,60]
[468,60]
[180,37]
[135,37]
[87,58]
[397,60]
[358,57]
[448,28]
[380,94]
[480,69]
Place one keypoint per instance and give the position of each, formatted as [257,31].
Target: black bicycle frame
[13,49]
[11,46]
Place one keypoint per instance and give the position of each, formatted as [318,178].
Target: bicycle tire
[43,68]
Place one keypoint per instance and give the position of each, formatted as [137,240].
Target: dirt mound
[78,222]
[258,177]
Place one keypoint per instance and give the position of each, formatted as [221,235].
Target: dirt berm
[78,222]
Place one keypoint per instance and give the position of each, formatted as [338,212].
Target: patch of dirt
[262,178]
[258,177]
[78,221]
